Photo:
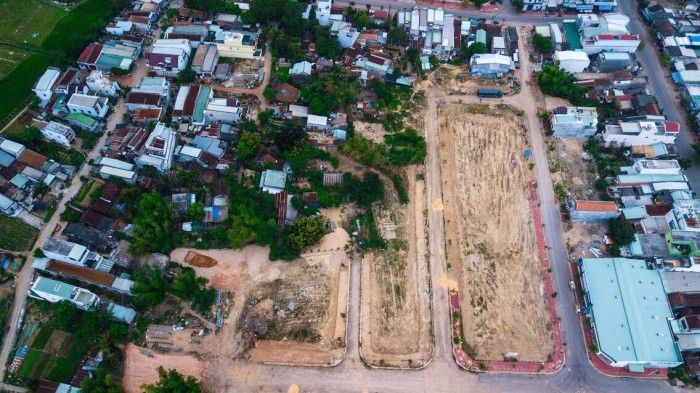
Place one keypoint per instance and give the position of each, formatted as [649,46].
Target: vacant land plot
[490,236]
[395,302]
[16,235]
[142,367]
[28,21]
[10,58]
[571,169]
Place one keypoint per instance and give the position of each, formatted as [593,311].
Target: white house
[101,84]
[159,148]
[317,123]
[224,110]
[273,182]
[323,12]
[56,291]
[65,251]
[92,106]
[9,207]
[574,122]
[685,215]
[303,68]
[642,133]
[169,56]
[56,132]
[238,45]
[572,61]
[42,87]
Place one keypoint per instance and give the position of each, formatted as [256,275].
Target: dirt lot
[395,308]
[142,368]
[373,131]
[297,305]
[570,168]
[491,244]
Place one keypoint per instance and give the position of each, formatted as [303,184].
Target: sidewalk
[557,359]
[598,363]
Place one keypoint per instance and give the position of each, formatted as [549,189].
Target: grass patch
[15,88]
[49,213]
[16,234]
[23,18]
[63,369]
[84,191]
[29,363]
[42,338]
[10,58]
[4,310]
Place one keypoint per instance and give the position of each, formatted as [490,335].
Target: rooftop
[53,287]
[273,179]
[595,206]
[681,281]
[65,248]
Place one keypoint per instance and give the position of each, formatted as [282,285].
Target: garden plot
[16,235]
[491,240]
[395,310]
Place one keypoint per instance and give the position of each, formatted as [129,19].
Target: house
[589,5]
[574,122]
[572,61]
[498,45]
[684,215]
[614,302]
[612,61]
[158,85]
[286,93]
[380,16]
[300,70]
[317,123]
[641,133]
[296,112]
[69,82]
[490,65]
[432,31]
[205,60]
[222,71]
[169,57]
[127,175]
[145,116]
[86,123]
[592,211]
[56,291]
[55,132]
[43,87]
[188,153]
[656,167]
[92,106]
[91,237]
[159,148]
[193,33]
[378,65]
[139,100]
[237,45]
[223,110]
[9,207]
[534,5]
[273,182]
[346,33]
[64,251]
[212,146]
[606,34]
[228,21]
[555,36]
[190,103]
[107,56]
[101,84]
[120,28]
[323,12]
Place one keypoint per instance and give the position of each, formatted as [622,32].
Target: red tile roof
[595,206]
[143,98]
[31,158]
[672,126]
[147,114]
[80,272]
[658,210]
[90,54]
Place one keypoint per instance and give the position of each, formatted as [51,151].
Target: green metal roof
[56,288]
[273,179]
[572,36]
[629,309]
[201,104]
[634,213]
[79,117]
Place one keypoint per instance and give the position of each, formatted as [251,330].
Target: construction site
[395,329]
[491,245]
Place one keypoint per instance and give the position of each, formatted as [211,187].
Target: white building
[534,5]
[317,123]
[347,34]
[656,167]
[642,133]
[572,61]
[42,87]
[112,167]
[101,84]
[65,251]
[158,85]
[323,12]
[574,122]
[9,207]
[224,110]
[92,106]
[238,45]
[273,182]
[606,34]
[56,132]
[685,215]
[55,291]
[169,56]
[159,148]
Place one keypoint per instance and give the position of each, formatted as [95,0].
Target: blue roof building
[629,313]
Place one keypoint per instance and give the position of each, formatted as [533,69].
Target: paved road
[22,283]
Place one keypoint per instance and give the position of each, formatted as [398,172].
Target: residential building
[556,36]
[107,56]
[169,57]
[9,207]
[641,133]
[347,34]
[612,61]
[301,70]
[190,103]
[159,148]
[498,45]
[205,60]
[157,85]
[592,211]
[490,65]
[101,84]
[534,5]
[431,30]
[587,6]
[138,100]
[13,148]
[193,33]
[273,182]
[120,28]
[691,93]
[656,167]
[55,132]
[93,106]
[572,61]
[43,87]
[619,294]
[286,93]
[112,167]
[145,116]
[574,122]
[223,110]
[84,122]
[69,82]
[64,251]
[606,34]
[323,12]
[56,291]
[685,215]
[238,45]
[317,123]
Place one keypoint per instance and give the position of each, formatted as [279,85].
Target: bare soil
[570,168]
[491,243]
[143,369]
[373,131]
[395,310]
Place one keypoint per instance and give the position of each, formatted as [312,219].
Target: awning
[676,77]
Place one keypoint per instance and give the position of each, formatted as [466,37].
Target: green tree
[172,381]
[479,3]
[517,4]
[556,82]
[71,215]
[186,283]
[249,145]
[203,299]
[362,19]
[188,75]
[63,314]
[29,136]
[149,288]
[541,43]
[196,211]
[305,232]
[118,333]
[468,51]
[396,36]
[38,253]
[207,5]
[102,382]
[269,93]
[154,226]
[621,231]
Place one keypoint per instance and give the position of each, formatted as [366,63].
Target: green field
[10,58]
[29,363]
[16,234]
[23,18]
[41,338]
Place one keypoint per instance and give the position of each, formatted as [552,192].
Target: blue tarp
[676,77]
